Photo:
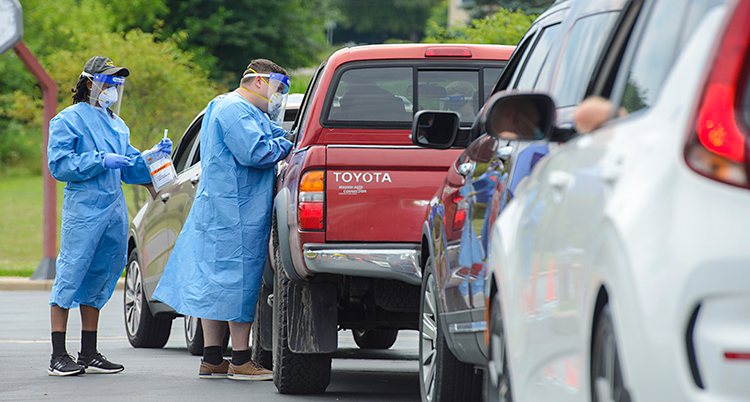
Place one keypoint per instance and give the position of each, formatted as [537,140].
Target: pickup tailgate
[380,194]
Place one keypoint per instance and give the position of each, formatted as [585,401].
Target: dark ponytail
[81,90]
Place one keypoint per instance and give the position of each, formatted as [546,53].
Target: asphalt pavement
[170,373]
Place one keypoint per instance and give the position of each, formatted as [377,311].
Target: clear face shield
[106,92]
[278,92]
[454,102]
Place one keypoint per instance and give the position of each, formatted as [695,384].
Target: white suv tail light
[718,147]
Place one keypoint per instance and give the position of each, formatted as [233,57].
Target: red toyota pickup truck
[351,200]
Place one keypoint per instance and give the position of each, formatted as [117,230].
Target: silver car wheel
[191,327]
[133,298]
[429,338]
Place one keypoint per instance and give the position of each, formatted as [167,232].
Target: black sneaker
[64,365]
[98,364]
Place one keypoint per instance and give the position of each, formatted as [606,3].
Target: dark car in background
[151,237]
[555,56]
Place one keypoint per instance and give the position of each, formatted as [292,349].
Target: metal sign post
[11,32]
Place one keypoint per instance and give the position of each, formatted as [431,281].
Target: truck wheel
[293,373]
[143,329]
[442,377]
[375,338]
[260,355]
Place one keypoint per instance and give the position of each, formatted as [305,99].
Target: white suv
[621,270]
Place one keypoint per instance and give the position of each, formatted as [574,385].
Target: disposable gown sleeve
[138,173]
[277,131]
[244,138]
[63,161]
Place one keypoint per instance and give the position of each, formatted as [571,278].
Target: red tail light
[311,201]
[459,219]
[718,148]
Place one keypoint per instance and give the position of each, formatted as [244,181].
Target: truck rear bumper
[386,261]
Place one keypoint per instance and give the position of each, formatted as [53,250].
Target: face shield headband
[106,91]
[278,92]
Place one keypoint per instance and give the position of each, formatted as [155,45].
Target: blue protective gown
[215,268]
[93,237]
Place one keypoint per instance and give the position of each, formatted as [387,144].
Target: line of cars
[619,270]
[586,266]
[615,272]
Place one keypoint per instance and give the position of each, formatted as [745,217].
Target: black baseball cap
[103,65]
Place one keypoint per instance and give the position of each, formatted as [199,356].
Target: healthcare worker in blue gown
[214,271]
[89,149]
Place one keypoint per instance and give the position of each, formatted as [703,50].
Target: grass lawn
[21,222]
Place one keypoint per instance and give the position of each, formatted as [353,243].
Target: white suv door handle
[560,182]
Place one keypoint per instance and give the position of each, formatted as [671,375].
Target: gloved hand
[286,145]
[116,161]
[165,146]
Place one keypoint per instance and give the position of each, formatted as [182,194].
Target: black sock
[58,343]
[212,355]
[88,343]
[240,357]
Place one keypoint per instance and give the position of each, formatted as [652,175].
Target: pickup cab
[350,201]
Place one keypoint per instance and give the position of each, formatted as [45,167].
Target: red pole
[46,269]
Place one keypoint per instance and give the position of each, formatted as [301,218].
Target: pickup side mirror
[434,129]
[519,116]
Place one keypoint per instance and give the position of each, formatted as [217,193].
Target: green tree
[502,28]
[166,89]
[145,15]
[225,35]
[483,8]
[404,19]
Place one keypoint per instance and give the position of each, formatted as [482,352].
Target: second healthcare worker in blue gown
[215,269]
[89,149]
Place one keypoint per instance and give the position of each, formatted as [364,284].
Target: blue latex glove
[116,161]
[165,146]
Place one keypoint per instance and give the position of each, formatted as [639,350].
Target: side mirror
[434,129]
[519,116]
[290,135]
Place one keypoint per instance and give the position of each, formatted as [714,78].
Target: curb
[23,283]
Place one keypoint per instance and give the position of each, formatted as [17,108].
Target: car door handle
[504,153]
[559,182]
[466,169]
[165,197]
[195,179]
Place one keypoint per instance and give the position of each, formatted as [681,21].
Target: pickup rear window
[385,94]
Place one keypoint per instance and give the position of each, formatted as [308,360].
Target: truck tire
[375,338]
[442,377]
[142,328]
[260,355]
[293,373]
